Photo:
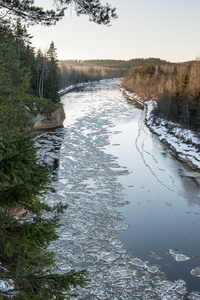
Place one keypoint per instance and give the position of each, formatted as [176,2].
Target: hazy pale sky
[167,29]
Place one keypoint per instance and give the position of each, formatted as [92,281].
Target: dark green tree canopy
[32,14]
[26,262]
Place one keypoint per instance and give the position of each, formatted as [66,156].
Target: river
[133,217]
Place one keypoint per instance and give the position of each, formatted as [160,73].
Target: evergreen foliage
[27,266]
[29,13]
[146,70]
[51,84]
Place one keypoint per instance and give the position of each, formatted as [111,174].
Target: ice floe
[196,272]
[154,255]
[177,255]
[121,227]
[194,296]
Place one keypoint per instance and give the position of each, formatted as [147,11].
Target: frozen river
[133,217]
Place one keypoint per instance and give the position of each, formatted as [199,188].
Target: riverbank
[83,84]
[185,143]
[73,86]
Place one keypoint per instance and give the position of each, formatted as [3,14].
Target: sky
[167,29]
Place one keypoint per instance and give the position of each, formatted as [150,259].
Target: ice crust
[86,178]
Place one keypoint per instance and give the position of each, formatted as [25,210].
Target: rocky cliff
[49,121]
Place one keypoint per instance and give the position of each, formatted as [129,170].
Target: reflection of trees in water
[53,169]
[192,189]
[49,145]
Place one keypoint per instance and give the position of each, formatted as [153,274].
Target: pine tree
[28,12]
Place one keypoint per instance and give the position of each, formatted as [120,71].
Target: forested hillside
[78,71]
[114,63]
[69,75]
[175,88]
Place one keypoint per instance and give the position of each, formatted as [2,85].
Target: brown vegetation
[72,75]
[176,89]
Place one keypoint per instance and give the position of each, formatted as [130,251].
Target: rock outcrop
[49,121]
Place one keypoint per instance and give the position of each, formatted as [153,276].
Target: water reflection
[49,144]
[126,201]
[191,187]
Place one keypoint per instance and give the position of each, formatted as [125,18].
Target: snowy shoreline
[184,142]
[71,87]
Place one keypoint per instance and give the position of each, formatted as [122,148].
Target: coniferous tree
[40,73]
[27,11]
[51,81]
[25,261]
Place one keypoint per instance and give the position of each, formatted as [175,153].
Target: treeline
[27,266]
[40,68]
[175,88]
[118,64]
[69,75]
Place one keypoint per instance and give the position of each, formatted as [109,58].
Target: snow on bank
[185,142]
[71,87]
[77,85]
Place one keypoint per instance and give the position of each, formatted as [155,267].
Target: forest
[124,65]
[175,88]
[69,75]
[78,71]
[29,85]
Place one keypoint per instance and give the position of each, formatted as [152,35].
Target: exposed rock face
[50,121]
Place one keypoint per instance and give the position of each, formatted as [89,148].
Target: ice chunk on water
[194,296]
[171,290]
[181,257]
[138,262]
[196,272]
[119,272]
[178,255]
[121,227]
[110,257]
[154,255]
[152,269]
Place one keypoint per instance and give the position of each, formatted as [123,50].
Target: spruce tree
[25,260]
[51,85]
